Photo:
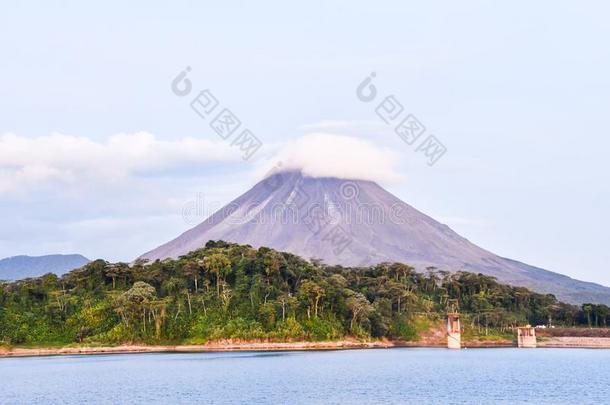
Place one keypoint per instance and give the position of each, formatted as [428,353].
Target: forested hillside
[233,291]
[20,267]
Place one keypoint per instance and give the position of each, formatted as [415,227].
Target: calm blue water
[356,376]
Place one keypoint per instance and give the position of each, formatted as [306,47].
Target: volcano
[358,223]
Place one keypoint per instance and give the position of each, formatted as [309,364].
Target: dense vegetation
[232,291]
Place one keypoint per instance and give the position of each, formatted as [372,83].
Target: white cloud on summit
[330,155]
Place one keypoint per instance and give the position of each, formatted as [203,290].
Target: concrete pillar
[526,336]
[454,334]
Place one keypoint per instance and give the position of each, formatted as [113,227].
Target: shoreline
[567,342]
[258,346]
[232,346]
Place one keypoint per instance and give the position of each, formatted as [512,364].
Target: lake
[409,375]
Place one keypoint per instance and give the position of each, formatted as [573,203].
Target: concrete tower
[526,336]
[454,335]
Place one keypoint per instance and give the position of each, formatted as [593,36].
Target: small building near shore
[526,336]
[454,335]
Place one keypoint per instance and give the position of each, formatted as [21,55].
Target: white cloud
[330,155]
[30,163]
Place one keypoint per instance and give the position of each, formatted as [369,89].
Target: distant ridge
[358,223]
[20,267]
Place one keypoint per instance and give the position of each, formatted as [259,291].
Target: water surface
[407,375]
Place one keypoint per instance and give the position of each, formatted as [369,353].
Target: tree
[602,312]
[312,293]
[271,261]
[588,309]
[114,271]
[219,265]
[360,308]
[135,301]
[192,269]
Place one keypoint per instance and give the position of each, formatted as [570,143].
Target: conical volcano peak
[282,173]
[354,222]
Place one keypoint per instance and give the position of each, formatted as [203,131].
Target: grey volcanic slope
[19,267]
[358,223]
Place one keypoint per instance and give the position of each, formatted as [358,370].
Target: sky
[100,156]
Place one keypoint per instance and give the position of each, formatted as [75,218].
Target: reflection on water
[231,356]
[352,376]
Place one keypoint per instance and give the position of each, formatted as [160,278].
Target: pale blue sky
[518,92]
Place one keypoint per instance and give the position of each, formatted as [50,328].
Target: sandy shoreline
[233,346]
[236,346]
[575,342]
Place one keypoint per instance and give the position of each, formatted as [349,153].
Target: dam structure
[526,336]
[454,335]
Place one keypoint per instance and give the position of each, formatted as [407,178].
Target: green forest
[230,291]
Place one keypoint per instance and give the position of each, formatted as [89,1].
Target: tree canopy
[230,291]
